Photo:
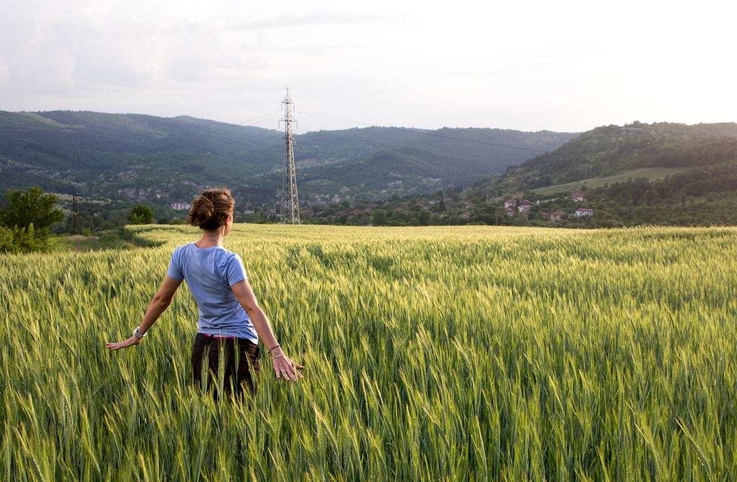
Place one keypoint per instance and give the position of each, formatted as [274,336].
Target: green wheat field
[469,353]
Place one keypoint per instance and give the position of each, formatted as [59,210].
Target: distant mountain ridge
[142,157]
[611,150]
[636,174]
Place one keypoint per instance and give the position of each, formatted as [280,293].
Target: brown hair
[211,209]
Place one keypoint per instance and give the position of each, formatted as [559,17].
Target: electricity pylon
[289,200]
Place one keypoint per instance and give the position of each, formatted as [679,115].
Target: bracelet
[138,334]
[278,356]
[274,348]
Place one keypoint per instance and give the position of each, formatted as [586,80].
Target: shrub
[141,214]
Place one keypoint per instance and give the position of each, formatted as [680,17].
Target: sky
[533,65]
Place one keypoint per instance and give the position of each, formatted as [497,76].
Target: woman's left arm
[159,304]
[284,367]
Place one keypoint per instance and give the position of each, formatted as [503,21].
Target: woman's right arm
[159,304]
[283,366]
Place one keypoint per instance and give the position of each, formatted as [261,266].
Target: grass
[453,353]
[649,173]
[119,239]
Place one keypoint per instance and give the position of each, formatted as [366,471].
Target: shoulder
[227,257]
[182,248]
[232,266]
[181,251]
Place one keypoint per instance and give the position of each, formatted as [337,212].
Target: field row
[471,353]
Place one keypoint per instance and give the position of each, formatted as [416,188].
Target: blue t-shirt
[210,272]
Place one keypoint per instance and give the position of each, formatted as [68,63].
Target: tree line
[28,216]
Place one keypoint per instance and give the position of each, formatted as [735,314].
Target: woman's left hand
[123,344]
[286,369]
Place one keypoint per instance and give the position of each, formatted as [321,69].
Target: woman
[230,319]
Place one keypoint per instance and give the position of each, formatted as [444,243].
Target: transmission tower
[289,200]
[75,214]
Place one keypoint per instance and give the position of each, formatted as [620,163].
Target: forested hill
[129,156]
[610,150]
[666,174]
[141,157]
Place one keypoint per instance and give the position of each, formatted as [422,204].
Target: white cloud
[4,73]
[566,65]
[310,19]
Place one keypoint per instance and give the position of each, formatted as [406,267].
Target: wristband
[137,334]
[274,348]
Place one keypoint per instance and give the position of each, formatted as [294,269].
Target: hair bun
[211,209]
[202,211]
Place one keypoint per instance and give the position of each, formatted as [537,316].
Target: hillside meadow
[457,353]
[649,173]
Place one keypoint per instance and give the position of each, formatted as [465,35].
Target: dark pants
[239,363]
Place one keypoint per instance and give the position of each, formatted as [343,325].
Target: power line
[242,124]
[432,134]
[190,141]
[253,136]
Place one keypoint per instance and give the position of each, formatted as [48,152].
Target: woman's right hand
[132,341]
[285,368]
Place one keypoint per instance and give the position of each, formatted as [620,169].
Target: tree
[441,204]
[378,217]
[31,207]
[650,196]
[141,214]
[25,221]
[424,218]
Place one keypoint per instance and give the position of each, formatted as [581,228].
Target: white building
[180,206]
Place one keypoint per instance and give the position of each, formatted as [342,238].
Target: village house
[584,212]
[510,211]
[510,203]
[180,206]
[524,206]
[577,195]
[552,216]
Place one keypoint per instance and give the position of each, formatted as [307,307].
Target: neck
[211,239]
